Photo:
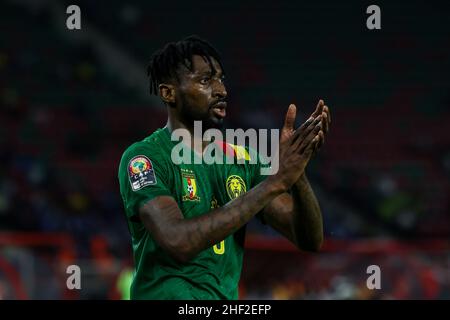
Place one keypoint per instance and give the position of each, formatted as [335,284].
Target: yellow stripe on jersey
[240,152]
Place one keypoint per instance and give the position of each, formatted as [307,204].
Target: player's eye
[205,80]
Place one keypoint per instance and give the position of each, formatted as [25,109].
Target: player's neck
[174,124]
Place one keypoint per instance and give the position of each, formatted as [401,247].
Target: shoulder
[153,142]
[147,150]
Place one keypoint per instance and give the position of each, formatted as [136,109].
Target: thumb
[289,121]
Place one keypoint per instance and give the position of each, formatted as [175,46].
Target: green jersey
[147,171]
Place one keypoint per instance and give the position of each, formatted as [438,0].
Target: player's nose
[219,90]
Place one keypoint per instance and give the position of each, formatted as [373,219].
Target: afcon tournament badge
[189,187]
[140,172]
[235,186]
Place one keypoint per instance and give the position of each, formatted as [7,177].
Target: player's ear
[167,93]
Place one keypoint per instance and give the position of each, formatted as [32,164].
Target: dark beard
[189,115]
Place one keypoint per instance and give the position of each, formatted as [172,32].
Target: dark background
[71,101]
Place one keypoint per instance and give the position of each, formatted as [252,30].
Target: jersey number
[220,248]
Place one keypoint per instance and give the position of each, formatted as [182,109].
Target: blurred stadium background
[72,101]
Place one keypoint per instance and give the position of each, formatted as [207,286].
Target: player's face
[201,94]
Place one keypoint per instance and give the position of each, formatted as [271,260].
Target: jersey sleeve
[143,176]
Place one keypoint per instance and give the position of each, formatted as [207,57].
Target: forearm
[207,230]
[307,216]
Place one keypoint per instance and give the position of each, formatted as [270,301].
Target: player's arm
[185,238]
[297,214]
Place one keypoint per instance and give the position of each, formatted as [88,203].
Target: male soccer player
[187,221]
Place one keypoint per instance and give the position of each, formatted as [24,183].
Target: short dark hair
[165,62]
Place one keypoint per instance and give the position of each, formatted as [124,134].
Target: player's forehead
[200,64]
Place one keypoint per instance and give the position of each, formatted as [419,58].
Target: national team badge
[189,187]
[235,186]
[141,172]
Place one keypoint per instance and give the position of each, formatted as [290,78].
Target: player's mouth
[219,109]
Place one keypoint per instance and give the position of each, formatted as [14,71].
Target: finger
[305,127]
[311,147]
[311,130]
[327,110]
[306,124]
[325,122]
[319,109]
[321,140]
[289,120]
[311,135]
[304,130]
